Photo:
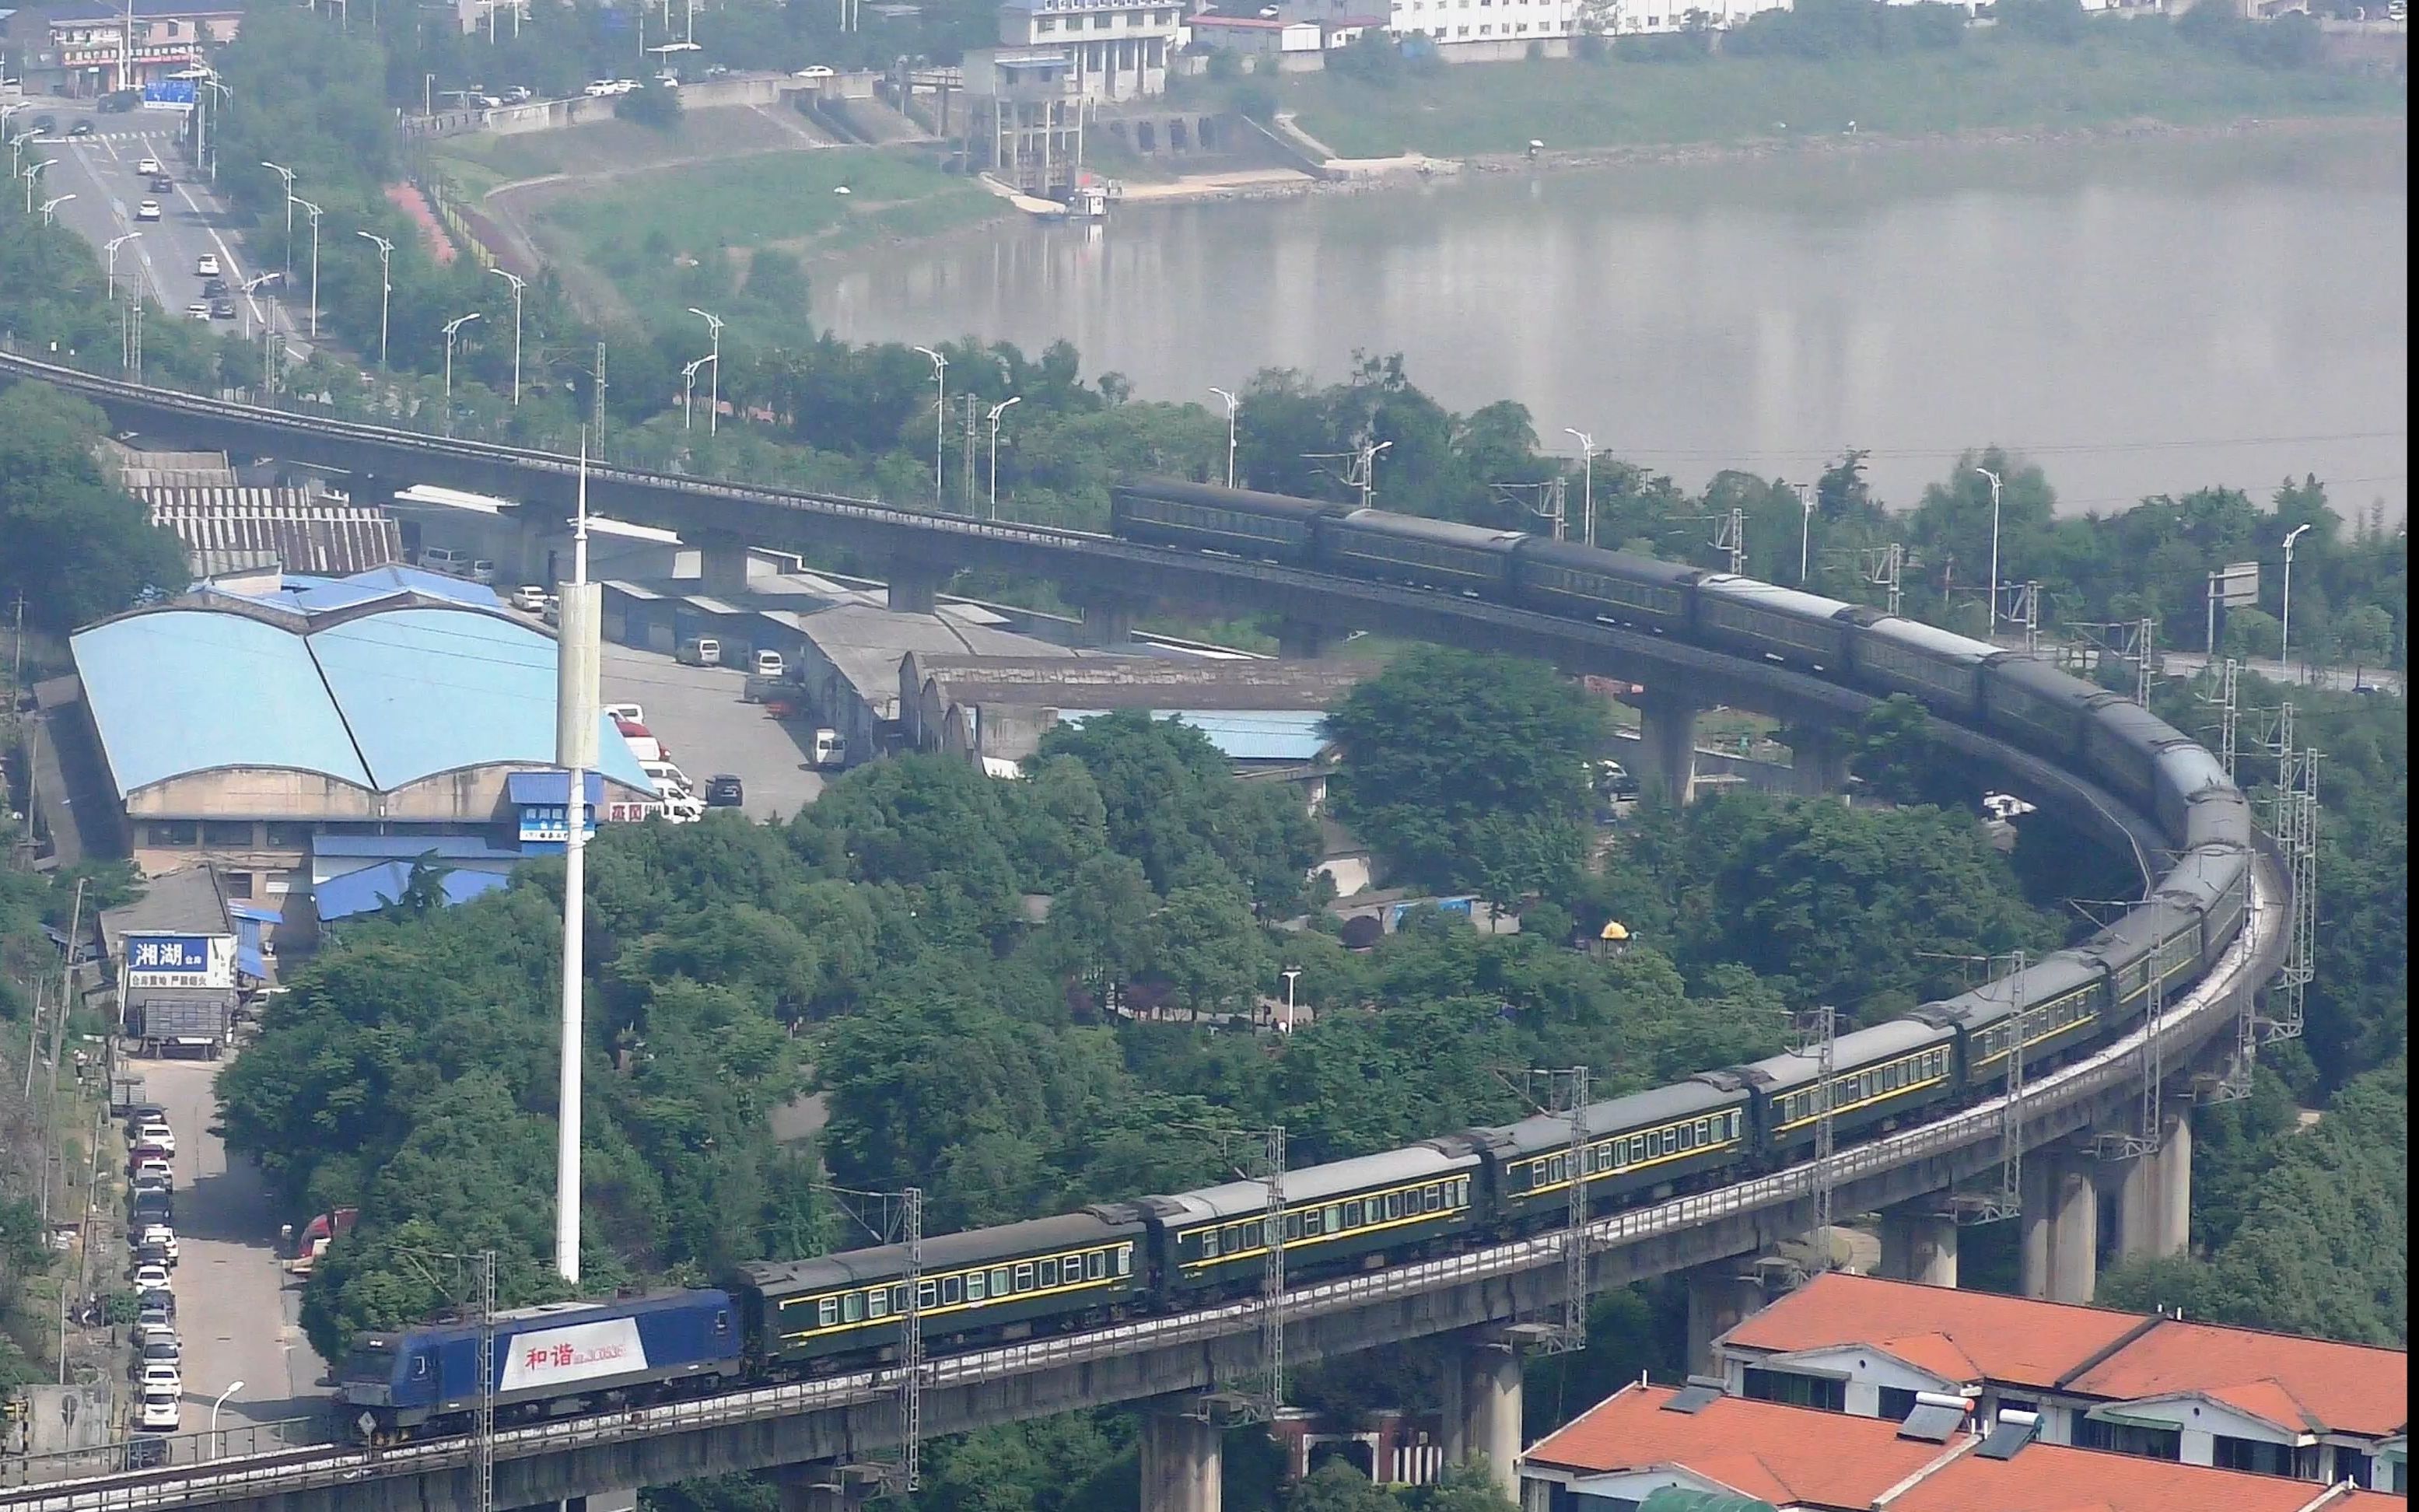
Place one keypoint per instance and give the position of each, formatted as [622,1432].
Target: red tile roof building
[1645,1438]
[2145,1384]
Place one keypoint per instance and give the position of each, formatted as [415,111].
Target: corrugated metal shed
[179,690]
[230,528]
[429,690]
[373,887]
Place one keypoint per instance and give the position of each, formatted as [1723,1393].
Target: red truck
[305,1249]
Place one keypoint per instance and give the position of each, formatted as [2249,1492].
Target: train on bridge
[773,1321]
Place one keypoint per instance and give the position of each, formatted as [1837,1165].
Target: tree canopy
[75,546]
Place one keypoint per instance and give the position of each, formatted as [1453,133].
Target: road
[236,1315]
[697,713]
[2190,663]
[99,170]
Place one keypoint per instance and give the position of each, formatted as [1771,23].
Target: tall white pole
[1994,547]
[517,283]
[997,410]
[713,326]
[1804,528]
[1587,484]
[1231,403]
[575,738]
[940,414]
[2285,632]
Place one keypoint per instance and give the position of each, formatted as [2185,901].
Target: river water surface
[2140,317]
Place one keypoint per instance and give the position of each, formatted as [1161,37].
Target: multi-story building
[1115,50]
[91,47]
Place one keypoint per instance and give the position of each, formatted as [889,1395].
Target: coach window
[1310,1225]
[1070,1267]
[1125,1259]
[1352,1215]
[1670,1141]
[1393,1205]
[1209,1243]
[952,1291]
[974,1286]
[1025,1276]
[826,1311]
[928,1294]
[1050,1271]
[877,1303]
[1293,1226]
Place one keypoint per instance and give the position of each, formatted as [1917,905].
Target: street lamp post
[518,284]
[451,327]
[250,286]
[209,127]
[287,173]
[17,150]
[1369,470]
[110,247]
[714,390]
[1290,974]
[216,1447]
[1995,547]
[312,210]
[1587,485]
[997,410]
[1804,528]
[688,387]
[1232,404]
[2285,634]
[34,171]
[940,412]
[386,283]
[50,208]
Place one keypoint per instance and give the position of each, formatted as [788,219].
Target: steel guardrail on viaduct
[842,1416]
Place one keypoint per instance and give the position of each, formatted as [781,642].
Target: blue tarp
[374,887]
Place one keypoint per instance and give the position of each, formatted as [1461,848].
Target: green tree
[2253,632]
[1465,770]
[2365,638]
[75,546]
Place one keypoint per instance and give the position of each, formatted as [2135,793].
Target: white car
[148,167]
[162,1373]
[147,1276]
[684,808]
[528,598]
[198,310]
[147,210]
[163,1409]
[157,1136]
[815,71]
[625,713]
[207,265]
[162,1235]
[152,1169]
[669,781]
[598,89]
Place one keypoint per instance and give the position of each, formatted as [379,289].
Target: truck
[316,1235]
[641,741]
[163,1023]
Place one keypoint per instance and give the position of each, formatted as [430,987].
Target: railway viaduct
[1477,1305]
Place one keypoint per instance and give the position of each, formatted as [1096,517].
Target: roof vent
[2015,1432]
[1694,1398]
[1935,1418]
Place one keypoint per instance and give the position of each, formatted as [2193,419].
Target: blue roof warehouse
[374,718]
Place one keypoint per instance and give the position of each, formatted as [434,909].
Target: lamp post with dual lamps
[1587,485]
[312,210]
[1291,975]
[287,173]
[688,388]
[51,205]
[30,173]
[110,248]
[940,412]
[997,410]
[451,327]
[714,385]
[1993,479]
[518,283]
[386,283]
[1232,405]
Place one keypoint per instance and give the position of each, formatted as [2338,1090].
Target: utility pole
[518,284]
[1820,1028]
[575,739]
[898,1218]
[966,477]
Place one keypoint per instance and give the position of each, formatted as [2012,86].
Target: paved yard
[697,713]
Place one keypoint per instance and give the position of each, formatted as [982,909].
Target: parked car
[143,1113]
[724,790]
[768,664]
[146,209]
[213,287]
[147,1256]
[669,779]
[148,165]
[597,88]
[161,1373]
[517,94]
[151,1275]
[159,1300]
[629,712]
[483,572]
[163,1410]
[528,598]
[207,265]
[161,1349]
[813,70]
[156,1133]
[151,1168]
[684,808]
[705,651]
[552,613]
[162,1236]
[223,309]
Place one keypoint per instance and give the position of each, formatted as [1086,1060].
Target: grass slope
[2124,72]
[784,200]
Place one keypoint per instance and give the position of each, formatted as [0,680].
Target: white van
[630,713]
[830,749]
[768,664]
[669,779]
[705,651]
[446,560]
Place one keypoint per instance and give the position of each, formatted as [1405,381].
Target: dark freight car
[1583,582]
[1200,517]
[1427,553]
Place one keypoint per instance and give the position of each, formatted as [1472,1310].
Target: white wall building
[1119,49]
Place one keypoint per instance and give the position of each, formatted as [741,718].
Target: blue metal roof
[373,887]
[447,847]
[395,577]
[1244,735]
[179,690]
[430,690]
[551,787]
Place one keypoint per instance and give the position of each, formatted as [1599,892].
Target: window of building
[1796,1390]
[2350,1465]
[1897,1403]
[2127,1438]
[2229,1453]
[226,832]
[237,883]
[285,835]
[173,832]
[1047,24]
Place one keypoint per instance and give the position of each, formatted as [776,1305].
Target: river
[2139,316]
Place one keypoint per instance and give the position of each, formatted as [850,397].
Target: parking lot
[698,714]
[237,1318]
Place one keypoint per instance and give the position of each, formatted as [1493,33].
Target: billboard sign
[158,959]
[578,1352]
[168,94]
[2236,585]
